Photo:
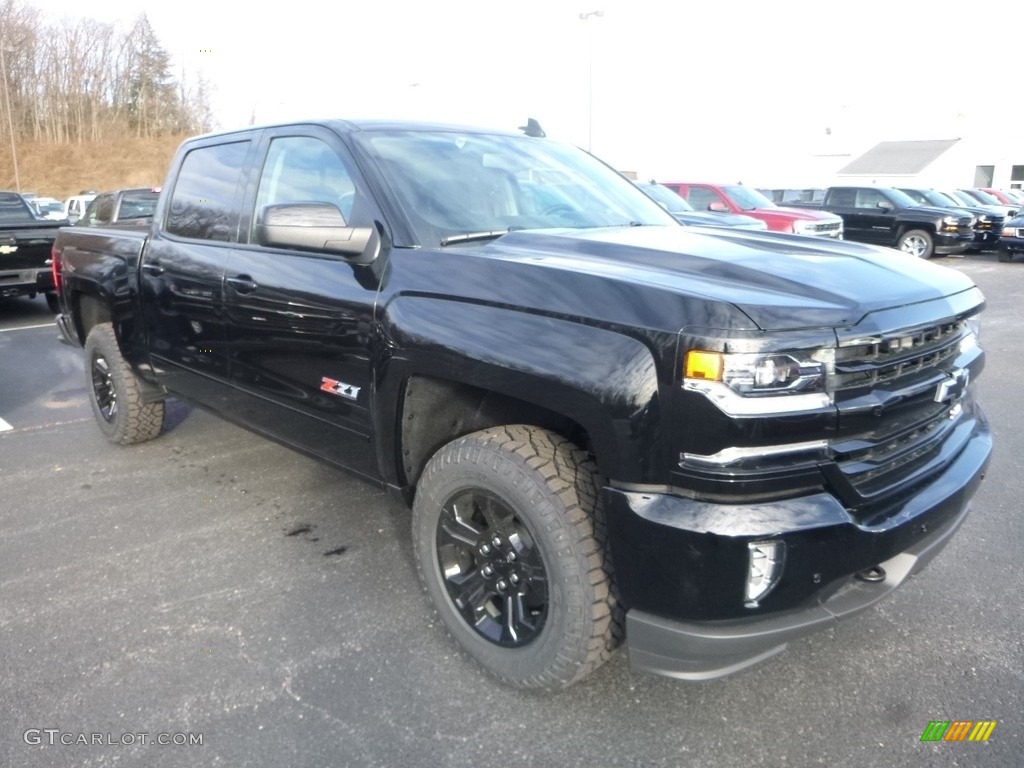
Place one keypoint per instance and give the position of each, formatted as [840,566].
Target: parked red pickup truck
[736,198]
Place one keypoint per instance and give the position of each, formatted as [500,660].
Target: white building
[956,162]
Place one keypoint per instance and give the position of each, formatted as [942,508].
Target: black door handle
[153,268]
[242,283]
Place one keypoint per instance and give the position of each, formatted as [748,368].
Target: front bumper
[947,244]
[1011,244]
[681,566]
[986,238]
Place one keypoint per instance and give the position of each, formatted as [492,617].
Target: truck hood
[800,214]
[708,219]
[778,281]
[931,210]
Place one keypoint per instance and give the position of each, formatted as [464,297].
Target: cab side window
[701,198]
[843,198]
[204,204]
[869,198]
[303,169]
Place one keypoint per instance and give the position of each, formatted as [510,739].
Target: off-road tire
[115,393]
[548,490]
[918,243]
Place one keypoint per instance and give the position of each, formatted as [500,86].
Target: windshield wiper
[465,237]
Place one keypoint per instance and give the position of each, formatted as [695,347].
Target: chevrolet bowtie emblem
[953,388]
[5,249]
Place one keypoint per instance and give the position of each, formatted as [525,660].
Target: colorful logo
[958,730]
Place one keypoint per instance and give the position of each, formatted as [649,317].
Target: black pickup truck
[887,216]
[125,206]
[25,245]
[608,426]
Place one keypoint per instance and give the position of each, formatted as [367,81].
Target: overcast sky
[678,88]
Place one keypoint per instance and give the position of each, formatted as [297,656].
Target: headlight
[974,326]
[758,384]
[803,227]
[983,219]
[949,221]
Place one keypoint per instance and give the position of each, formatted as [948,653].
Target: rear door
[300,322]
[183,271]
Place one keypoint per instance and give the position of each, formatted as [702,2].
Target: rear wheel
[1004,255]
[53,302]
[508,538]
[115,392]
[918,243]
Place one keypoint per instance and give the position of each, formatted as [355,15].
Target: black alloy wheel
[492,568]
[103,391]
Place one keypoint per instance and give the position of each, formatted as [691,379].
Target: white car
[74,207]
[48,208]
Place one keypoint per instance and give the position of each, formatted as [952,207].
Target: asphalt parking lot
[213,585]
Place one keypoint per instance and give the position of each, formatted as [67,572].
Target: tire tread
[570,475]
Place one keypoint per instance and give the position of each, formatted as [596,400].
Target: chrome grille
[892,447]
[869,362]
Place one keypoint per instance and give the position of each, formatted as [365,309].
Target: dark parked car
[987,224]
[1012,241]
[124,205]
[886,216]
[25,246]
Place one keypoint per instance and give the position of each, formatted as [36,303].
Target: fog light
[764,568]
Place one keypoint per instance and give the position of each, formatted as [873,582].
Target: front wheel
[508,538]
[115,393]
[918,243]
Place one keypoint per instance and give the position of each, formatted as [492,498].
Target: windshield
[14,210]
[983,197]
[959,197]
[901,199]
[450,184]
[933,198]
[665,197]
[747,198]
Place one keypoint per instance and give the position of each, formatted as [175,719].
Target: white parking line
[4,426]
[27,327]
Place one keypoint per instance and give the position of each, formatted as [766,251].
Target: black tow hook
[873,575]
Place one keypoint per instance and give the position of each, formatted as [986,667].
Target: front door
[301,322]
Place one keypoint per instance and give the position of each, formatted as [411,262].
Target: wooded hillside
[76,82]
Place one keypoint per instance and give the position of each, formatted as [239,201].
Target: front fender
[604,380]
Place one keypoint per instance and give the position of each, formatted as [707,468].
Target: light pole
[10,120]
[590,76]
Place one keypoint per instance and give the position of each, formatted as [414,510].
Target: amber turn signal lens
[703,365]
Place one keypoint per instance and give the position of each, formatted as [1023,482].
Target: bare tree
[84,80]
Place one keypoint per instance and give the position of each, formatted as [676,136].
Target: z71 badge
[339,388]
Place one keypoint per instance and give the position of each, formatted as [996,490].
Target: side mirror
[718,207]
[885,205]
[317,227]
